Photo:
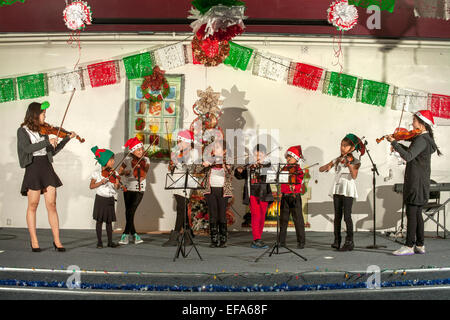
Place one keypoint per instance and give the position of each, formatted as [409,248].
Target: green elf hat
[45,105]
[357,143]
[102,155]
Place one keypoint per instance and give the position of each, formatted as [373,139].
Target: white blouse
[344,184]
[217,178]
[35,137]
[106,190]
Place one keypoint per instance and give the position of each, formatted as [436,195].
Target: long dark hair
[32,117]
[430,131]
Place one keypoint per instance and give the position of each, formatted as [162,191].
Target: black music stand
[183,181]
[274,178]
[374,171]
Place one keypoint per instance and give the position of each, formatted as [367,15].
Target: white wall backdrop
[316,121]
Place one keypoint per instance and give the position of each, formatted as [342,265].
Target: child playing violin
[344,188]
[291,200]
[257,196]
[105,182]
[217,191]
[134,169]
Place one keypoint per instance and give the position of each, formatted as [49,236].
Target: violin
[47,129]
[112,177]
[402,134]
[346,158]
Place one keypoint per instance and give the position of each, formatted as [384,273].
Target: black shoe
[99,245]
[300,245]
[113,245]
[35,249]
[173,239]
[337,243]
[282,244]
[59,249]
[348,246]
[223,235]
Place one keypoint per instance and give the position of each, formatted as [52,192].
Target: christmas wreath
[155,82]
[210,52]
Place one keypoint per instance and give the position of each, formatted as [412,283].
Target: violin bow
[65,113]
[145,152]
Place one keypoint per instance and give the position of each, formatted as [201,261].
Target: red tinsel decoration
[221,35]
[155,80]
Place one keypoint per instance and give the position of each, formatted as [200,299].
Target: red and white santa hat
[295,152]
[133,144]
[426,116]
[186,136]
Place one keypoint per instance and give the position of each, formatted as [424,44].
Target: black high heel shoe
[35,249]
[62,249]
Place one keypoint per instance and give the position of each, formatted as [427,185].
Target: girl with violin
[291,200]
[134,168]
[183,156]
[344,190]
[257,196]
[105,182]
[36,151]
[416,188]
[218,190]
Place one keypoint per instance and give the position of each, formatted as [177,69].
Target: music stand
[184,181]
[274,178]
[374,173]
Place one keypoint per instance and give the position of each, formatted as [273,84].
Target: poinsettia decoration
[155,82]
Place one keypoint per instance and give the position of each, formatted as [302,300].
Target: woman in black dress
[416,187]
[36,153]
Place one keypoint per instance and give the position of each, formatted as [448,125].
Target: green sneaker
[124,239]
[137,239]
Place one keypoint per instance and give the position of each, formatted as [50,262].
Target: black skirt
[39,175]
[104,210]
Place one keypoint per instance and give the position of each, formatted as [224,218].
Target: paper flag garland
[372,92]
[138,66]
[411,100]
[103,73]
[339,85]
[239,56]
[271,67]
[305,76]
[437,9]
[32,86]
[66,81]
[7,90]
[170,57]
[387,5]
[439,105]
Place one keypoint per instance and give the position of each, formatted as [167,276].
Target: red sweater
[296,188]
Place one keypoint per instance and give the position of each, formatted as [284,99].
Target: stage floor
[150,263]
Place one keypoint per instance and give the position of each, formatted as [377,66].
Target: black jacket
[262,191]
[416,188]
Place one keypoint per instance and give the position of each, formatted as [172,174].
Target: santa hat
[186,136]
[426,116]
[133,144]
[357,143]
[102,155]
[295,152]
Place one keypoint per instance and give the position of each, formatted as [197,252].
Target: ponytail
[430,131]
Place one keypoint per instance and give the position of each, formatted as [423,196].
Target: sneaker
[137,239]
[124,239]
[404,251]
[259,244]
[419,249]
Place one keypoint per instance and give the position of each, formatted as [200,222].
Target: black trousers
[217,206]
[292,204]
[343,207]
[415,226]
[181,211]
[132,201]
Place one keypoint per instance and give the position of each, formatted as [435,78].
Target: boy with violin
[344,190]
[257,196]
[105,182]
[184,156]
[291,200]
[134,169]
